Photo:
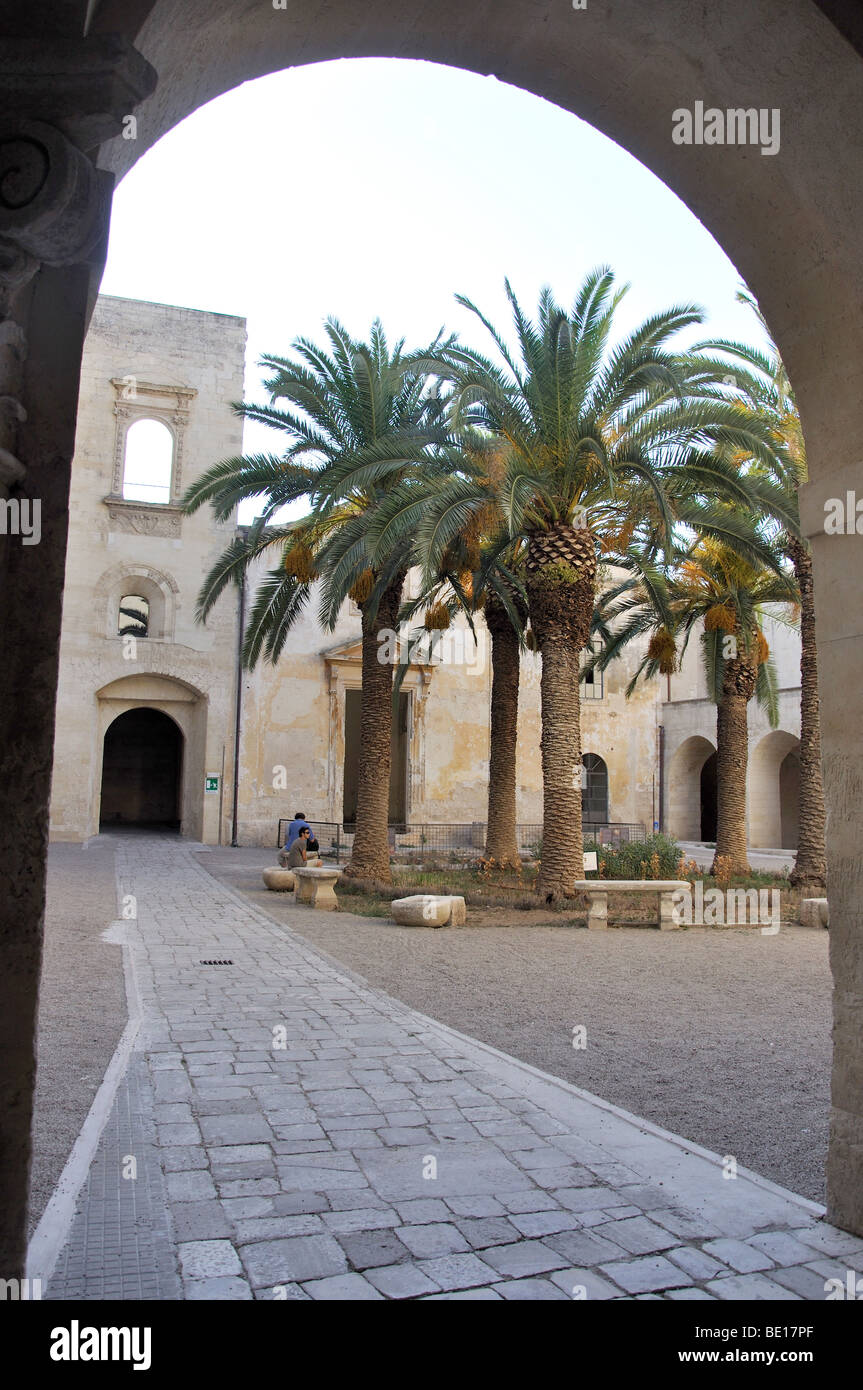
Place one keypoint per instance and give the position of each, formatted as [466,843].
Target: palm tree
[357,418]
[480,572]
[600,440]
[761,378]
[501,844]
[712,587]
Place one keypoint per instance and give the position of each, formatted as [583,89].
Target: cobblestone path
[283,1130]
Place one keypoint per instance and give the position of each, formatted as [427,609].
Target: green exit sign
[211,784]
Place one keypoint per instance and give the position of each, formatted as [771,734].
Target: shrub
[656,857]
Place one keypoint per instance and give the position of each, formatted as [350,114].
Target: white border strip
[53,1229]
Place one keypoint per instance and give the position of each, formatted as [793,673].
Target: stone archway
[770,795]
[792,222]
[685,798]
[185,708]
[142,770]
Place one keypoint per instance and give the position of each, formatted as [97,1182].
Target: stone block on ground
[278,879]
[814,912]
[429,910]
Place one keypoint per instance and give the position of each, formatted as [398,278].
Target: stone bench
[428,910]
[598,890]
[315,888]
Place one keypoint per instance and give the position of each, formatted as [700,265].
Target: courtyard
[332,1111]
[240,1100]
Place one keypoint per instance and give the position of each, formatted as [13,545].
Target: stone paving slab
[298,1134]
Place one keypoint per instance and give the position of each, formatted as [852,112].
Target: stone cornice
[145,518]
[182,394]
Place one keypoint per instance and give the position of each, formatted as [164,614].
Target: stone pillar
[838,596]
[57,102]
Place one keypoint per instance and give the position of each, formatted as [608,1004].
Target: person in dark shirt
[297,853]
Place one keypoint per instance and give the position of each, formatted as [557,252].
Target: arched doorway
[142,765]
[708,800]
[789,799]
[774,787]
[692,790]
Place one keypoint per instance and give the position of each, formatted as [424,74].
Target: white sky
[369,187]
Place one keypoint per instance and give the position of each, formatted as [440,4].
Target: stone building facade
[147,704]
[180,369]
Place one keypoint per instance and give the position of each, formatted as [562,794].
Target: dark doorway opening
[142,766]
[789,799]
[708,799]
[398,760]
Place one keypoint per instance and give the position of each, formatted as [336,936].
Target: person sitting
[295,827]
[297,853]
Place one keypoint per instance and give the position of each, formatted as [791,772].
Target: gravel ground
[82,1006]
[722,1036]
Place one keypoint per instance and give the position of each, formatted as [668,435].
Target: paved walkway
[283,1130]
[771,861]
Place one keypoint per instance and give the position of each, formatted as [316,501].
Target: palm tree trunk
[370,857]
[562,843]
[501,841]
[732,753]
[810,869]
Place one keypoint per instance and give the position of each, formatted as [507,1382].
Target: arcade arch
[689,813]
[772,796]
[624,68]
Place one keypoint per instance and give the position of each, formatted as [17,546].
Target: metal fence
[330,836]
[335,838]
[614,832]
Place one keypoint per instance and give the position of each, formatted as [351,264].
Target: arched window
[133,619]
[148,462]
[594,791]
[137,601]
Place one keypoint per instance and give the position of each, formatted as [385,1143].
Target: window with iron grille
[594,792]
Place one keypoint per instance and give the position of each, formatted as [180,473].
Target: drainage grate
[216,962]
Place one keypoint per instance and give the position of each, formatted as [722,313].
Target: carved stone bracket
[54,210]
[59,97]
[84,87]
[54,203]
[144,518]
